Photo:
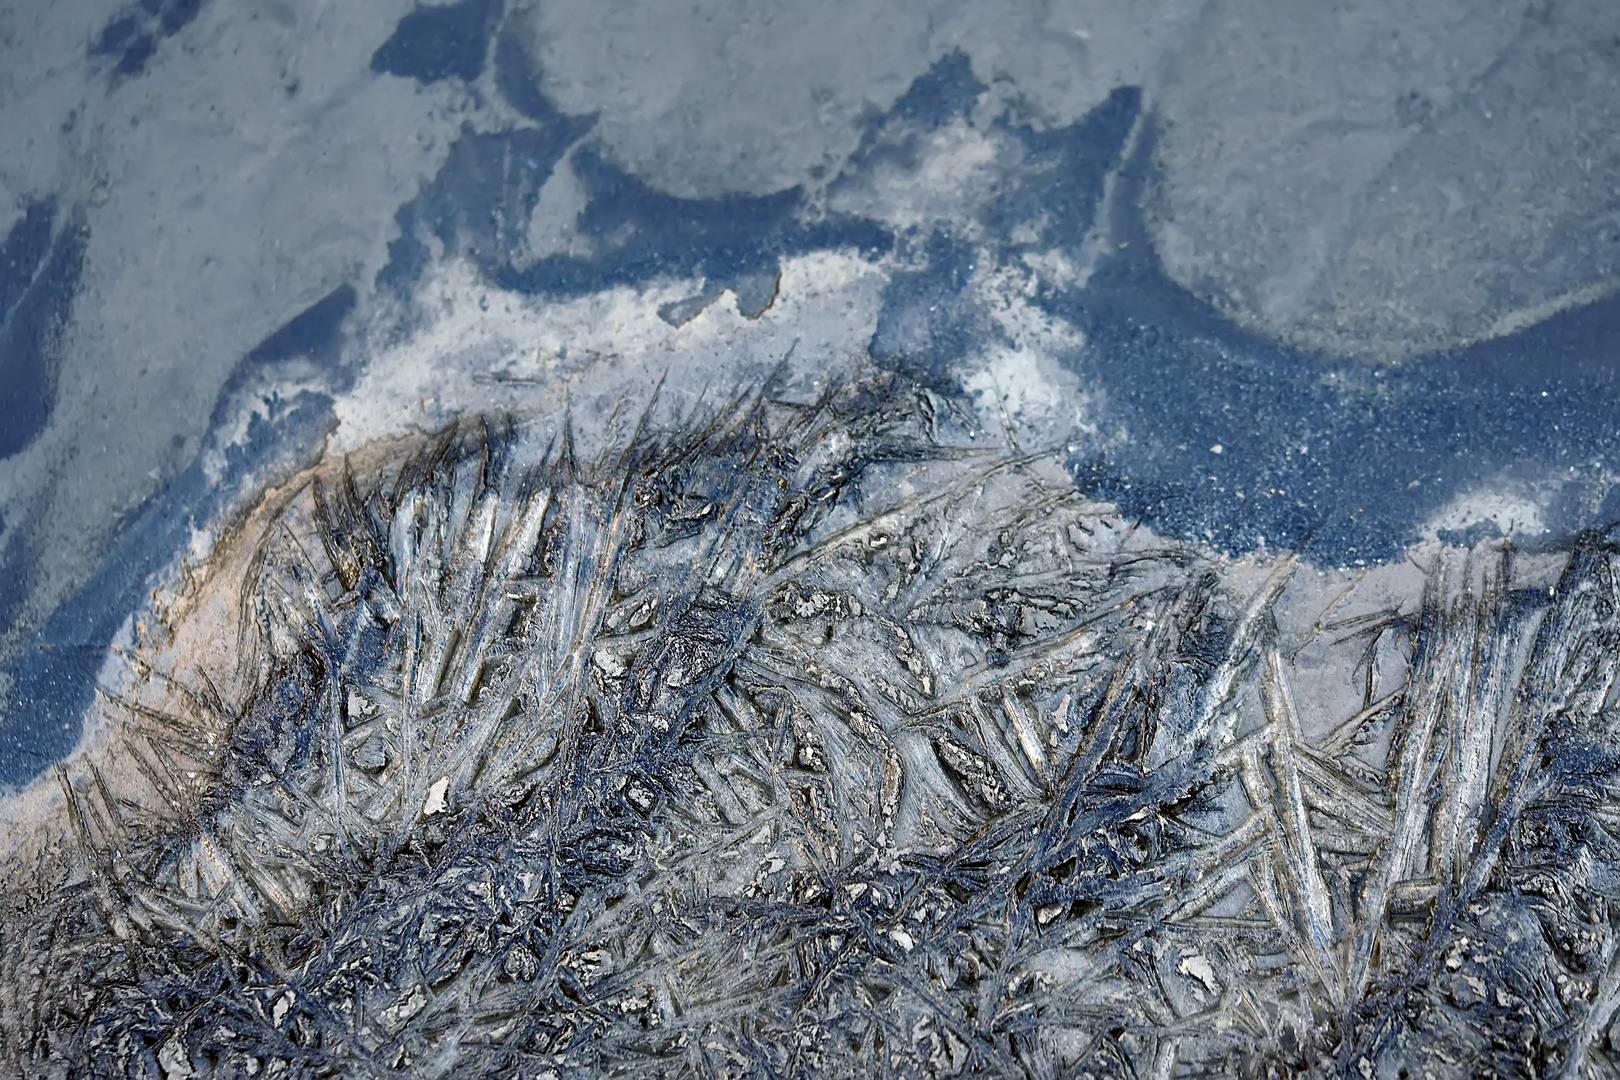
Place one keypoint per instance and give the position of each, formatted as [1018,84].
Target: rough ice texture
[820,739]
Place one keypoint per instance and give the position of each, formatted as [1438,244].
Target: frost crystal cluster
[818,739]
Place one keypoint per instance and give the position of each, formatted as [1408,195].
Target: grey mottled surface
[1254,280]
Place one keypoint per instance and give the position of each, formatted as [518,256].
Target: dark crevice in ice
[132,36]
[435,43]
[1062,177]
[308,344]
[947,91]
[516,81]
[40,261]
[315,332]
[479,203]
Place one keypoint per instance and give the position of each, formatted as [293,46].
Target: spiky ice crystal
[819,740]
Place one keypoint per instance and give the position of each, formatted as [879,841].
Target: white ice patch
[955,175]
[1011,384]
[1023,383]
[484,350]
[1053,268]
[1199,968]
[1514,513]
[436,797]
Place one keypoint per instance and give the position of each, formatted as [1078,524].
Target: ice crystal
[818,740]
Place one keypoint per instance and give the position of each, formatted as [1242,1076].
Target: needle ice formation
[813,737]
